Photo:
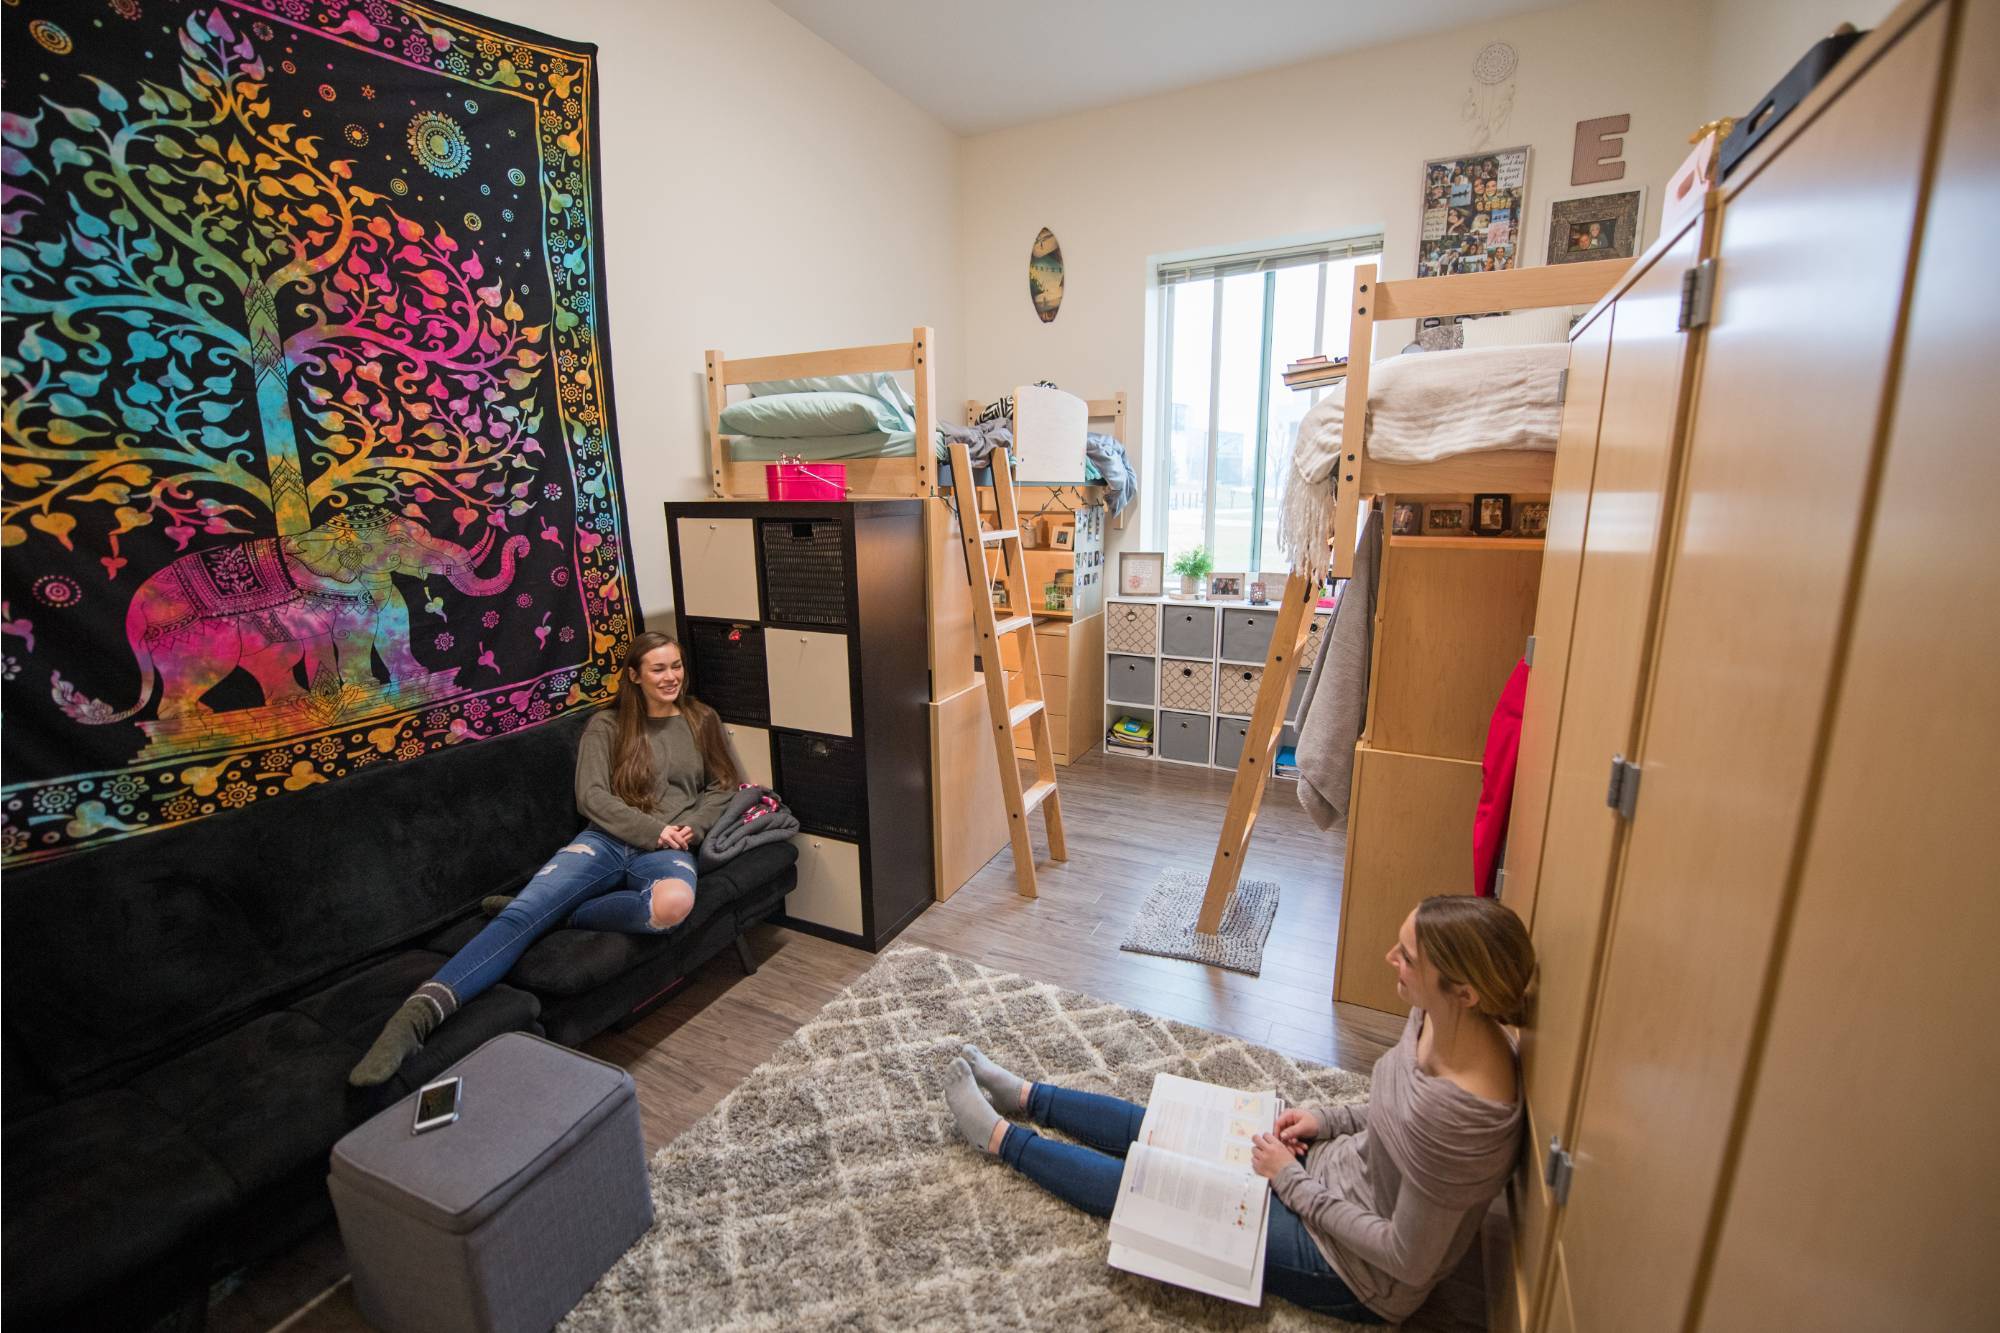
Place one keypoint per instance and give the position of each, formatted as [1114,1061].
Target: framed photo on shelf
[1531,518]
[1063,537]
[1447,520]
[1226,587]
[1491,514]
[1142,573]
[1406,519]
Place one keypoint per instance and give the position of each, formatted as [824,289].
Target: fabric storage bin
[805,570]
[1246,633]
[1183,736]
[1315,636]
[726,670]
[1236,689]
[1298,692]
[822,780]
[1186,684]
[1189,632]
[1132,627]
[1231,735]
[1129,680]
[503,1219]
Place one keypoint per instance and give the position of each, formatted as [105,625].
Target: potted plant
[1193,567]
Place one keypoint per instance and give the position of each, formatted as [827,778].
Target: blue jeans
[596,882]
[1087,1178]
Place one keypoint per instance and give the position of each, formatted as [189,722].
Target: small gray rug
[1165,924]
[830,1191]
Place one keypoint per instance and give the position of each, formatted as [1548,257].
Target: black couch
[182,1008]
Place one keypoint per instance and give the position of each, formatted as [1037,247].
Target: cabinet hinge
[1562,386]
[1557,1168]
[1697,295]
[1528,653]
[1622,794]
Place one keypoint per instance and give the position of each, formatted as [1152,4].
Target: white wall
[1752,43]
[1332,145]
[762,194]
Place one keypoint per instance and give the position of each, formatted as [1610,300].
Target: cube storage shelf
[1193,669]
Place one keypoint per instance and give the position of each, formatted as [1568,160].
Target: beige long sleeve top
[1394,1193]
[683,790]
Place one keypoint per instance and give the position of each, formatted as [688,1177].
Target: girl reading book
[1373,1203]
[652,777]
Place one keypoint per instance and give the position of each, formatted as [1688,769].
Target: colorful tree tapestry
[309,461]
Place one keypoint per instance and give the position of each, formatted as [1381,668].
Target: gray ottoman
[503,1219]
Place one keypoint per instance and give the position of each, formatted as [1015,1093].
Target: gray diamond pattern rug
[1165,924]
[829,1190]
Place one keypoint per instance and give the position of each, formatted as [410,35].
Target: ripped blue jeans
[595,882]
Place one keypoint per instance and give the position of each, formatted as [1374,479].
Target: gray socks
[1008,1090]
[405,1031]
[974,1114]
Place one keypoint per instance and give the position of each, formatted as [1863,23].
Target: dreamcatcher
[1489,101]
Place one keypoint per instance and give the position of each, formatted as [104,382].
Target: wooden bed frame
[867,478]
[1361,478]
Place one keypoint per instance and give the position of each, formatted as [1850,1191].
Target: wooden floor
[1127,822]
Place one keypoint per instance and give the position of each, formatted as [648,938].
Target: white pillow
[1550,325]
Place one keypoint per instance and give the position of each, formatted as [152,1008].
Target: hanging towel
[1496,780]
[753,817]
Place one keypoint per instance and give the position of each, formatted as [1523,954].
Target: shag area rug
[829,1190]
[1165,924]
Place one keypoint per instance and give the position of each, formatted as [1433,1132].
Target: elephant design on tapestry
[324,599]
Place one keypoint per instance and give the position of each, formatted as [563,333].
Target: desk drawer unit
[1183,737]
[1129,680]
[1187,684]
[1236,688]
[1189,631]
[727,671]
[1246,633]
[1133,627]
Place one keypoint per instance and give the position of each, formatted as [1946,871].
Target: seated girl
[652,777]
[1372,1204]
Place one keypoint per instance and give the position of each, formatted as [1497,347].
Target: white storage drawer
[829,891]
[1189,631]
[753,751]
[807,674]
[718,567]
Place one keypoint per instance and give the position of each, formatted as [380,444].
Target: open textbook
[1190,1209]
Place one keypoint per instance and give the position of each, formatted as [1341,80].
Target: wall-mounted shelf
[1469,543]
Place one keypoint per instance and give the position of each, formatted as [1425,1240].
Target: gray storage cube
[1129,680]
[1230,736]
[1246,633]
[1298,693]
[1183,736]
[1188,631]
[503,1219]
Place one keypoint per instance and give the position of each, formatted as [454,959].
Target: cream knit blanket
[1422,407]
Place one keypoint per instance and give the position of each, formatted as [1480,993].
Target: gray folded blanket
[753,817]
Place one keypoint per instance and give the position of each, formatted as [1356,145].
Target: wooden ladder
[991,630]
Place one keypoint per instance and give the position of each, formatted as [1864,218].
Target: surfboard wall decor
[1045,275]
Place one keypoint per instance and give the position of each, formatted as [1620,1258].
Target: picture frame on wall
[1473,209]
[1598,226]
[1448,520]
[1142,573]
[1226,587]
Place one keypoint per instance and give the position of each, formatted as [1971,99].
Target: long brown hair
[1479,943]
[632,759]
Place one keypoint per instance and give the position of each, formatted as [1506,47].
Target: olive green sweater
[683,791]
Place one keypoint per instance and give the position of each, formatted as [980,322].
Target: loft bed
[1356,478]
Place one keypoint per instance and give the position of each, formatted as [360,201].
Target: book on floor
[1190,1209]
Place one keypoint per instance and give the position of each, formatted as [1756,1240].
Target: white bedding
[1422,407]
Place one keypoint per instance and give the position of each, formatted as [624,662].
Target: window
[1227,327]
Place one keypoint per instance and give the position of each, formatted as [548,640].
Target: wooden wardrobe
[1756,759]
